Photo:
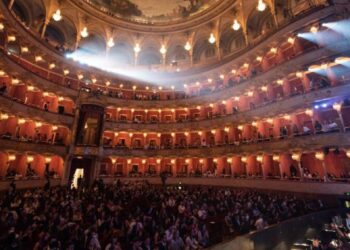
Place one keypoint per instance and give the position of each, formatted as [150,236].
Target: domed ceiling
[153,11]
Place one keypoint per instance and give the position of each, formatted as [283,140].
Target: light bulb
[236,25]
[261,5]
[57,15]
[84,33]
[188,46]
[212,38]
[137,48]
[110,42]
[162,50]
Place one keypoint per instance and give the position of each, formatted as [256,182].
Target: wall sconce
[158,161]
[30,158]
[319,156]
[172,161]
[143,161]
[259,158]
[296,156]
[309,112]
[128,161]
[229,160]
[187,161]
[113,160]
[4,116]
[244,159]
[12,157]
[276,157]
[48,159]
[215,160]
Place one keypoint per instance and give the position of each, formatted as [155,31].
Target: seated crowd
[137,216]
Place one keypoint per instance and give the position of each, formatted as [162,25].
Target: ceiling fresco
[153,10]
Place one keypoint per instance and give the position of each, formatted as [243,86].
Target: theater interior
[174,124]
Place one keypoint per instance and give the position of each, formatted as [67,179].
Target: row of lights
[309,112]
[296,156]
[4,116]
[30,158]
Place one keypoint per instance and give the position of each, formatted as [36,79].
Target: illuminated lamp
[172,161]
[337,106]
[110,42]
[259,158]
[162,50]
[84,32]
[215,160]
[2,26]
[159,134]
[261,5]
[259,58]
[276,157]
[65,72]
[11,38]
[21,121]
[15,81]
[296,156]
[210,80]
[244,159]
[57,15]
[24,49]
[80,76]
[273,50]
[4,116]
[144,134]
[48,159]
[52,66]
[280,82]
[201,161]
[240,127]
[227,129]
[131,134]
[250,93]
[299,74]
[200,133]
[108,83]
[114,160]
[229,160]
[291,40]
[38,124]
[137,48]
[313,29]
[2,73]
[309,112]
[319,156]
[158,161]
[38,58]
[270,120]
[236,25]
[222,76]
[212,38]
[129,161]
[188,46]
[30,158]
[213,131]
[172,134]
[187,161]
[12,157]
[254,124]
[54,128]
